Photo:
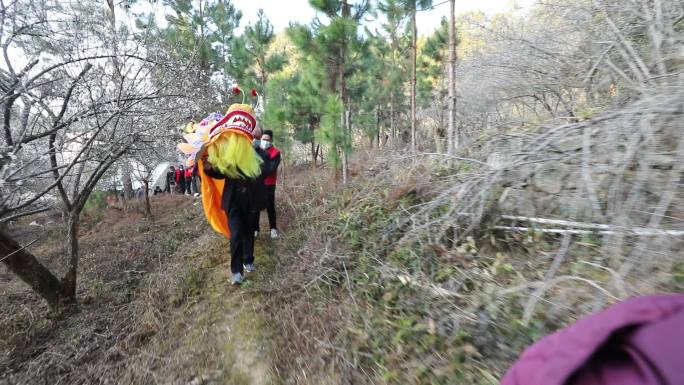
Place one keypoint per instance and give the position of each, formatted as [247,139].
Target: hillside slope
[375,282]
[390,282]
[155,306]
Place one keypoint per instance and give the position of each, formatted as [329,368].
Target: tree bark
[392,129]
[69,280]
[414,54]
[452,136]
[126,180]
[377,124]
[30,270]
[7,117]
[345,160]
[314,153]
[346,13]
[117,78]
[148,207]
[68,283]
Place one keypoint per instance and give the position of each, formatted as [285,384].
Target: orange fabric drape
[212,191]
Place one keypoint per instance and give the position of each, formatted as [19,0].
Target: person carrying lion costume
[230,171]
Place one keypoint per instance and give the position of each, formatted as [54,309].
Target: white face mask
[264,144]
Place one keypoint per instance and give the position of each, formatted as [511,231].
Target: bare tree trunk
[148,207]
[7,117]
[77,180]
[377,124]
[452,136]
[345,167]
[69,280]
[392,128]
[204,60]
[30,270]
[346,118]
[126,180]
[117,78]
[414,54]
[314,153]
[68,283]
[345,160]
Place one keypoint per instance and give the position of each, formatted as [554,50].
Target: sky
[282,12]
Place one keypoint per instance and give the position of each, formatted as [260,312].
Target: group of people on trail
[237,165]
[182,180]
[243,199]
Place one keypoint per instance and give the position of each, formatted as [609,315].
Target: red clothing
[178,175]
[635,342]
[188,173]
[272,179]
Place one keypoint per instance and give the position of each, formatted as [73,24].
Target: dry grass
[155,308]
[404,276]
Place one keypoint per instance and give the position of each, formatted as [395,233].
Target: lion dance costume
[220,146]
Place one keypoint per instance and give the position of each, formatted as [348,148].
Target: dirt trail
[222,337]
[231,320]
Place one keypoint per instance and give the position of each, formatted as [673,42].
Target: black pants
[241,223]
[188,185]
[270,208]
[194,185]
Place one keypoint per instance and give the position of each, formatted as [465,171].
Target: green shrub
[96,201]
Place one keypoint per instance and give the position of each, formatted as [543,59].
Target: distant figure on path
[180,180]
[195,180]
[270,173]
[140,192]
[188,180]
[170,179]
[157,190]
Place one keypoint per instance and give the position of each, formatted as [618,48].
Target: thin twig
[19,249]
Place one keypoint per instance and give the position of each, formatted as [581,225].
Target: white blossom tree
[73,106]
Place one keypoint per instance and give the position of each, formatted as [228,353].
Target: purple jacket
[638,341]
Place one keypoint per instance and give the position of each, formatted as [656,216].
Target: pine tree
[197,25]
[328,47]
[411,7]
[452,134]
[251,63]
[368,92]
[397,64]
[433,86]
[199,32]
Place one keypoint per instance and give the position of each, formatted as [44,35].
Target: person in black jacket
[230,156]
[242,199]
[170,179]
[180,179]
[195,184]
[271,160]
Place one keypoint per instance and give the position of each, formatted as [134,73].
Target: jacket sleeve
[214,174]
[270,166]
